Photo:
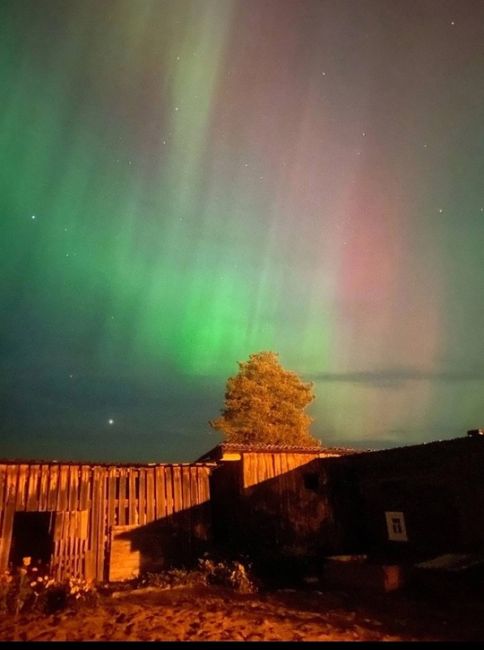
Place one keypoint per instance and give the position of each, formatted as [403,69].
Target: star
[440,210]
[33,216]
[110,421]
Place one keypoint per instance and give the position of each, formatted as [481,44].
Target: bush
[31,590]
[229,573]
[171,578]
[226,573]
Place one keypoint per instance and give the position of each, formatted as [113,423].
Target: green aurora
[185,182]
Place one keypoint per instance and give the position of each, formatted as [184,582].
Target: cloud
[397,377]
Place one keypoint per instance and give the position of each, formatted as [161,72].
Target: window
[396,529]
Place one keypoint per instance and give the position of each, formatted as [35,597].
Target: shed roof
[219,450]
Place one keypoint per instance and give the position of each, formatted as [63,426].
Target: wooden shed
[270,499]
[103,521]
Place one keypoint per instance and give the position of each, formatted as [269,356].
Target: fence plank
[98,520]
[21,490]
[3,482]
[111,497]
[8,515]
[203,484]
[150,494]
[160,492]
[122,497]
[62,502]
[132,500]
[53,487]
[44,487]
[186,493]
[177,489]
[85,487]
[142,497]
[3,493]
[73,488]
[169,489]
[195,478]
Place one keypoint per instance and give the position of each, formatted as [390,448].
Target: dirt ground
[218,614]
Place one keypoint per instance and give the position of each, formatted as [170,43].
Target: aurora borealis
[185,182]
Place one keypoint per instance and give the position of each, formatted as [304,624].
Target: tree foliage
[264,403]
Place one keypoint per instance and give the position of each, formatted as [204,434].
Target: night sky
[186,182]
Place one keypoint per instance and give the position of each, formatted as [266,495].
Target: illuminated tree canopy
[264,403]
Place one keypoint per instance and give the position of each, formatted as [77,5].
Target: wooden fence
[88,502]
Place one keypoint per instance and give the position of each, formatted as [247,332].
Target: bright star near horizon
[110,421]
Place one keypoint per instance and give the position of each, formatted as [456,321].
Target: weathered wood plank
[60,525]
[284,465]
[150,494]
[21,488]
[3,483]
[203,484]
[8,515]
[33,496]
[160,495]
[142,497]
[122,497]
[11,485]
[177,489]
[93,524]
[277,459]
[53,487]
[170,489]
[62,501]
[85,487]
[3,492]
[111,500]
[73,488]
[99,526]
[83,524]
[270,460]
[44,487]
[132,499]
[186,491]
[195,479]
[124,561]
[248,470]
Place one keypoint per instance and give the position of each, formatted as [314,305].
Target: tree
[264,403]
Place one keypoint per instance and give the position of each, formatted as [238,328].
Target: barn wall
[89,501]
[274,503]
[438,487]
